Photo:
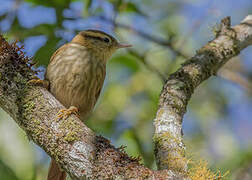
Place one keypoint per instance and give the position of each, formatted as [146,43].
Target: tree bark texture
[179,87]
[83,154]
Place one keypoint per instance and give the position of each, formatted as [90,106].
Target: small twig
[195,26]
[142,58]
[162,42]
[75,147]
[235,77]
[176,93]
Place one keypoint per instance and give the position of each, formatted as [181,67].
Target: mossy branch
[81,153]
[177,91]
[85,155]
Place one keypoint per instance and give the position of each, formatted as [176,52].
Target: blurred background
[164,33]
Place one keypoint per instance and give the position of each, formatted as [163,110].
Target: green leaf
[3,16]
[50,3]
[88,4]
[6,172]
[43,3]
[130,7]
[118,2]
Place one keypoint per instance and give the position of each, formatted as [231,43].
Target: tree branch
[169,147]
[85,155]
[160,41]
[142,58]
[73,145]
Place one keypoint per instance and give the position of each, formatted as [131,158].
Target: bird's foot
[65,113]
[39,82]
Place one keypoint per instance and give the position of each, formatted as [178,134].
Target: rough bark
[81,153]
[85,155]
[177,91]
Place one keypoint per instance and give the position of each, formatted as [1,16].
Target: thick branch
[83,154]
[169,147]
[73,145]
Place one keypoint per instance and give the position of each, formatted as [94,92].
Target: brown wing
[98,94]
[61,49]
[101,73]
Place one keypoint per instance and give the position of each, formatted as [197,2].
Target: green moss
[27,109]
[71,136]
[201,171]
[160,139]
[160,113]
[28,106]
[71,129]
[37,130]
[175,158]
[57,152]
[194,72]
[216,30]
[18,78]
[212,44]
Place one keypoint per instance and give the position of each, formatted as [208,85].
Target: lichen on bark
[85,155]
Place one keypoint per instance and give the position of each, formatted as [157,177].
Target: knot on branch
[225,29]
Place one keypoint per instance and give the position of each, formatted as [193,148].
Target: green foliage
[6,172]
[129,100]
[130,7]
[50,3]
[88,4]
[124,6]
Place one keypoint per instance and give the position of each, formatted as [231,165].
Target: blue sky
[207,12]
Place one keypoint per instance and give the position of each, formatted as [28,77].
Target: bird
[75,76]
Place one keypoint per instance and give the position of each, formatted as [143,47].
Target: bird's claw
[65,113]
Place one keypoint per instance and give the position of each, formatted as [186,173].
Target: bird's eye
[106,40]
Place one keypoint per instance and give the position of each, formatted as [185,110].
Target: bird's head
[98,42]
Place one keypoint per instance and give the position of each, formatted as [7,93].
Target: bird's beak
[123,45]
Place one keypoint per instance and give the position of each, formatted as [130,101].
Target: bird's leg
[39,82]
[65,113]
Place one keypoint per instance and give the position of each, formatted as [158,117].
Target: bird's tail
[55,173]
